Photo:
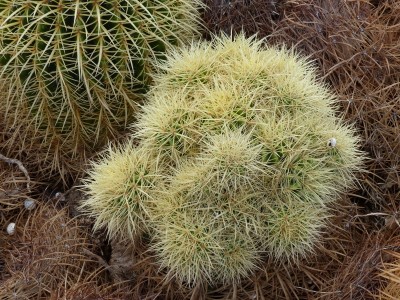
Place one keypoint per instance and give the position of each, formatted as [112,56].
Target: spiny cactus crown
[240,137]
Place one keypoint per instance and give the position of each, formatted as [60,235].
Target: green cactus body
[76,70]
[240,138]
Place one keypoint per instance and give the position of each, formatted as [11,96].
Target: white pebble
[11,228]
[332,142]
[60,196]
[29,204]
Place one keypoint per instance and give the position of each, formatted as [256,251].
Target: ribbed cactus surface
[74,71]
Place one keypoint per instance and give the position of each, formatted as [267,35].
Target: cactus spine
[74,71]
[242,138]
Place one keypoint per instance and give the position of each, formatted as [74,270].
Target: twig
[102,262]
[97,258]
[20,166]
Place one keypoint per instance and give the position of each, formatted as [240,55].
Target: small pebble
[11,228]
[60,196]
[29,204]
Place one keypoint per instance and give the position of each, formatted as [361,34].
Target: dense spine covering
[120,191]
[248,153]
[75,71]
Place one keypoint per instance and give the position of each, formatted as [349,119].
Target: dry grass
[38,158]
[359,276]
[46,254]
[13,191]
[391,272]
[248,16]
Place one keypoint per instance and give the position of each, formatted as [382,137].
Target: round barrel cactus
[74,71]
[249,152]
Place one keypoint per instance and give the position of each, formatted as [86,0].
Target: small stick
[102,262]
[20,166]
[97,258]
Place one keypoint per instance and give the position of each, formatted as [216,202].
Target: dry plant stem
[20,166]
[97,258]
[115,276]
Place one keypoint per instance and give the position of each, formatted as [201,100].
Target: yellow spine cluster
[248,152]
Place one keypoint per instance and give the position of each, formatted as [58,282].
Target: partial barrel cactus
[74,71]
[248,153]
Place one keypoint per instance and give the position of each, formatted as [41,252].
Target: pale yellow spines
[232,159]
[196,246]
[292,229]
[265,126]
[169,130]
[247,145]
[120,191]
